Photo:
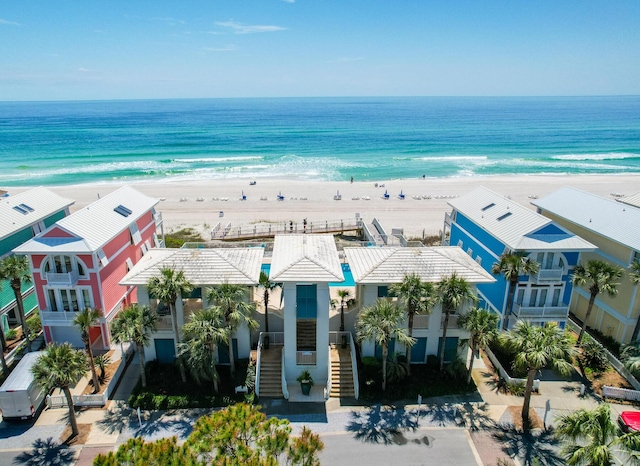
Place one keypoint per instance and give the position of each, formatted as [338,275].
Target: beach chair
[243,197]
[401,196]
[337,197]
[280,196]
[385,196]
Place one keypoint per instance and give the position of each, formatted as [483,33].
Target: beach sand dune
[199,204]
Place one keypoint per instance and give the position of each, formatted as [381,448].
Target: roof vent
[122,210]
[488,206]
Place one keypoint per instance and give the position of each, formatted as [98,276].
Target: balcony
[164,323]
[158,218]
[541,312]
[56,317]
[453,321]
[69,278]
[307,358]
[548,275]
[420,321]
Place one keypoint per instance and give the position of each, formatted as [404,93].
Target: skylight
[20,209]
[488,206]
[26,207]
[503,216]
[122,210]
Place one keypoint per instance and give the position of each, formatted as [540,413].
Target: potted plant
[306,381]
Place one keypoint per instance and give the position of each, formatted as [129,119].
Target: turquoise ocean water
[62,143]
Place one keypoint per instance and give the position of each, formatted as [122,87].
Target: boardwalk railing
[620,393]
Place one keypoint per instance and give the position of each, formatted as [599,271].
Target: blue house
[487,225]
[22,216]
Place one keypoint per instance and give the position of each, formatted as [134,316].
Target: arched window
[64,264]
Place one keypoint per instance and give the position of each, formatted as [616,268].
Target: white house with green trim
[23,216]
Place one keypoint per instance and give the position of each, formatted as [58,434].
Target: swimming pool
[346,270]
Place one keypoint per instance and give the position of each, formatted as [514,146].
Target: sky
[124,49]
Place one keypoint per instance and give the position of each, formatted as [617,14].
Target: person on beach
[290,226]
[352,180]
[304,225]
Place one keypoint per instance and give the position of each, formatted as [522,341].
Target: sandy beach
[198,203]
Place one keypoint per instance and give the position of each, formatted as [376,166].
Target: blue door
[223,352]
[306,301]
[392,349]
[450,348]
[165,350]
[418,351]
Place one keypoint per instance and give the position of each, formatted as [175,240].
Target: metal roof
[238,266]
[606,217]
[633,200]
[518,227]
[305,258]
[94,225]
[390,265]
[42,201]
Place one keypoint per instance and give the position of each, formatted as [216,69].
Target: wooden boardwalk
[246,232]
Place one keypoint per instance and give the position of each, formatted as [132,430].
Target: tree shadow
[169,423]
[540,445]
[382,425]
[46,453]
[474,416]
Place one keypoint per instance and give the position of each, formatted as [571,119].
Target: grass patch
[166,390]
[176,239]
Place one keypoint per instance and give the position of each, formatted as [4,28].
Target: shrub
[370,361]
[432,361]
[594,356]
[160,401]
[516,388]
[34,324]
[457,369]
[178,402]
[11,334]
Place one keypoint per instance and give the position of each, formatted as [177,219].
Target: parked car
[629,421]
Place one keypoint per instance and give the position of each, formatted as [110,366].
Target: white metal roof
[305,258]
[518,227]
[606,217]
[43,202]
[633,200]
[238,266]
[390,265]
[94,225]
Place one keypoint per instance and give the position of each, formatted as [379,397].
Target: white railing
[285,389]
[258,360]
[453,321]
[275,338]
[327,390]
[306,358]
[548,275]
[354,368]
[69,278]
[541,312]
[335,338]
[158,218]
[421,321]
[57,316]
[164,323]
[620,393]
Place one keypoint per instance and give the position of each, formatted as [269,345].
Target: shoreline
[314,200]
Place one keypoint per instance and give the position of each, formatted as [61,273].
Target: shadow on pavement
[382,425]
[46,453]
[541,446]
[472,416]
[13,429]
[122,419]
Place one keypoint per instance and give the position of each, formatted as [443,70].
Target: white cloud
[228,48]
[9,23]
[349,59]
[84,70]
[239,28]
[169,21]
[289,1]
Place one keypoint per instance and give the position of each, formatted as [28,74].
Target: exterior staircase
[306,335]
[341,373]
[271,372]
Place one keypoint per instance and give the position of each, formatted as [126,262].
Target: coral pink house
[78,261]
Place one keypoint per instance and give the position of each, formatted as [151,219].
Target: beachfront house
[614,227]
[305,265]
[376,269]
[79,260]
[487,225]
[22,216]
[203,268]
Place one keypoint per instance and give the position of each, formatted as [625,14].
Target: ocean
[65,143]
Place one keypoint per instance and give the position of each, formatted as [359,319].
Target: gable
[57,232]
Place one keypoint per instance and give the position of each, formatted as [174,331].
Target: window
[147,244]
[129,264]
[383,291]
[38,227]
[144,249]
[135,234]
[104,260]
[64,264]
[479,260]
[556,297]
[156,241]
[635,257]
[68,300]
[459,243]
[470,251]
[53,304]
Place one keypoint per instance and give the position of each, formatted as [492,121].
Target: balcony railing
[69,278]
[541,312]
[420,321]
[164,323]
[548,275]
[453,321]
[158,218]
[306,358]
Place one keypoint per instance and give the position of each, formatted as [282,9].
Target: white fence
[503,373]
[620,393]
[60,401]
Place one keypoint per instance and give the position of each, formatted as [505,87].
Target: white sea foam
[454,158]
[239,158]
[601,156]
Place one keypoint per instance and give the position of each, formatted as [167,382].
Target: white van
[20,396]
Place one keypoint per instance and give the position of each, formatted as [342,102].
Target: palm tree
[381,323]
[535,348]
[134,324]
[415,297]
[15,269]
[268,286]
[512,265]
[59,367]
[84,320]
[167,288]
[345,300]
[237,312]
[598,276]
[482,324]
[205,330]
[595,439]
[634,275]
[453,291]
